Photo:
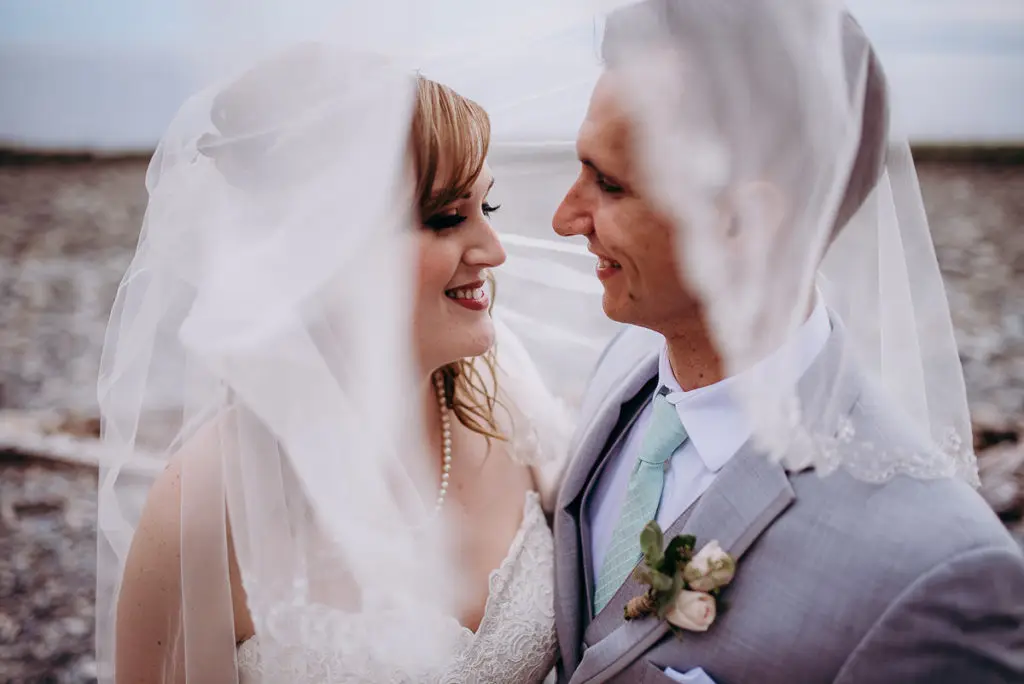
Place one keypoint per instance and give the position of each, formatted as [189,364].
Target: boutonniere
[684,586]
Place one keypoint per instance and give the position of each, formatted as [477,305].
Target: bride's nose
[486,250]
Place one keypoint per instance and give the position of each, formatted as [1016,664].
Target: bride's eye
[489,209]
[445,220]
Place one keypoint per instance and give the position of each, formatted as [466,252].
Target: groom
[837,580]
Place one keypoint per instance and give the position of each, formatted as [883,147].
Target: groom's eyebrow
[593,167]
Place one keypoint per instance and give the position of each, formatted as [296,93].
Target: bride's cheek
[430,274]
[427,275]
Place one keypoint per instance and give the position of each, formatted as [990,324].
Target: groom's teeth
[607,263]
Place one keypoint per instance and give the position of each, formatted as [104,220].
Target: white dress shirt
[717,426]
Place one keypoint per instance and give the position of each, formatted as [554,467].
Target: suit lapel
[747,497]
[750,493]
[595,436]
[569,571]
[610,618]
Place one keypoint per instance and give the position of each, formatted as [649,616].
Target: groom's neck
[693,355]
[694,359]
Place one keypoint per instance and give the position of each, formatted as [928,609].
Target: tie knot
[664,435]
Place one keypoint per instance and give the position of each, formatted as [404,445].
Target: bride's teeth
[476,293]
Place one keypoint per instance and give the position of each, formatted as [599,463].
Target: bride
[198,583]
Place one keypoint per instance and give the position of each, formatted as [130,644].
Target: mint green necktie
[664,435]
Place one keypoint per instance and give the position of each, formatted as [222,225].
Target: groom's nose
[573,216]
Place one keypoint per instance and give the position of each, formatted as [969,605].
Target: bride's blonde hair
[450,138]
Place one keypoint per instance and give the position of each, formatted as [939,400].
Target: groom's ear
[757,207]
[863,67]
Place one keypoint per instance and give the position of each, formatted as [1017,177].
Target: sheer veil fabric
[265,318]
[768,138]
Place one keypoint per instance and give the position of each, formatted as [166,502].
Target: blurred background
[87,88]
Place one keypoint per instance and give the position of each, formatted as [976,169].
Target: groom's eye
[607,186]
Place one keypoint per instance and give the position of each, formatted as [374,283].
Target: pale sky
[110,73]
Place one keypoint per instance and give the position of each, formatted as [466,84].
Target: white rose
[710,569]
[693,611]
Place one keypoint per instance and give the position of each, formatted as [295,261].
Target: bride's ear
[753,210]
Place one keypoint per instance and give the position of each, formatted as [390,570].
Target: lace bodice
[515,642]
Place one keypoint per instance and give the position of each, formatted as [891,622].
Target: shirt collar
[716,424]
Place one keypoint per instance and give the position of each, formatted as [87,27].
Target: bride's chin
[478,347]
[476,341]
[463,343]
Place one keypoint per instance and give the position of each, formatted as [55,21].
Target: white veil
[261,338]
[765,133]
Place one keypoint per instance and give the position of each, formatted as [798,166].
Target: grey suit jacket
[838,580]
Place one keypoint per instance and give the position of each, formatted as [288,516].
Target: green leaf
[678,553]
[663,601]
[642,574]
[652,541]
[671,595]
[660,581]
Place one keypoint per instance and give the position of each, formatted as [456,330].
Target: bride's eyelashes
[441,222]
[452,218]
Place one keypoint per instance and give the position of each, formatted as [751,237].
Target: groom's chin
[616,308]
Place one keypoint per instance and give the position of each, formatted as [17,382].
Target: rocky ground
[47,571]
[68,229]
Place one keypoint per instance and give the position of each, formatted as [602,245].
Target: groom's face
[633,241]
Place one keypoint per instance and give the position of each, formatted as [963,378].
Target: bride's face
[633,241]
[456,247]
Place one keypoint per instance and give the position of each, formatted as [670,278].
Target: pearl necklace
[446,439]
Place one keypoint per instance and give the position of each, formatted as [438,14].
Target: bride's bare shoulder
[197,462]
[149,604]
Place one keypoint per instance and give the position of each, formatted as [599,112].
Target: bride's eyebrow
[437,196]
[469,195]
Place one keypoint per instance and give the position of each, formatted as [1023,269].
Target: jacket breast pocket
[657,675]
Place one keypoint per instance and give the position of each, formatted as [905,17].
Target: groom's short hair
[651,21]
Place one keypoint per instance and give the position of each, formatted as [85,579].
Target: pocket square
[694,676]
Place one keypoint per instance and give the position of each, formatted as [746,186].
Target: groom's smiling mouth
[606,268]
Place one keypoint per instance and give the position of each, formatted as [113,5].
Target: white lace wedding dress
[515,642]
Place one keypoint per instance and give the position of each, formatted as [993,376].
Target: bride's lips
[471,296]
[606,268]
